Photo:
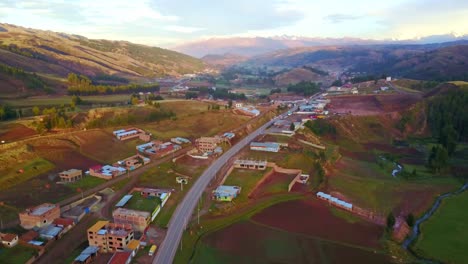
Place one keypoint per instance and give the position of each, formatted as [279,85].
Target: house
[157,148]
[225,193]
[87,255]
[9,240]
[121,258]
[265,146]
[133,247]
[138,219]
[106,172]
[39,216]
[50,232]
[248,110]
[71,175]
[229,135]
[133,162]
[65,223]
[129,133]
[334,201]
[208,144]
[110,237]
[180,140]
[238,105]
[401,229]
[250,164]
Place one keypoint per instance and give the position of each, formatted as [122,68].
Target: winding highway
[184,210]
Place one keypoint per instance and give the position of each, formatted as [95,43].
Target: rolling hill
[58,54]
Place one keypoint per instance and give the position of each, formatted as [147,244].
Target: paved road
[179,219]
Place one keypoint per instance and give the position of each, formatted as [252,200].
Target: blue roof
[126,133]
[265,144]
[85,254]
[227,190]
[124,200]
[118,131]
[50,231]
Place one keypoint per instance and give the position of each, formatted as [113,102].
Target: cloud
[182,29]
[339,18]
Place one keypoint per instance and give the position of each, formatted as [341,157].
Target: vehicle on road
[152,250]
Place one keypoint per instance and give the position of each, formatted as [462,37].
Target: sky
[169,23]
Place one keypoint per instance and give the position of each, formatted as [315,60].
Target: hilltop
[57,54]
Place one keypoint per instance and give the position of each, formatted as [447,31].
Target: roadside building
[265,146]
[106,172]
[138,219]
[50,232]
[121,258]
[9,240]
[133,162]
[225,193]
[71,175]
[39,216]
[180,140]
[110,237]
[250,164]
[208,144]
[248,110]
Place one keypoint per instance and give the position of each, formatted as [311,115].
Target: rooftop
[98,226]
[42,209]
[227,190]
[70,171]
[86,253]
[124,200]
[265,144]
[120,258]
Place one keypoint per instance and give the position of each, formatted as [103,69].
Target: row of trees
[304,88]
[82,85]
[7,112]
[53,118]
[30,80]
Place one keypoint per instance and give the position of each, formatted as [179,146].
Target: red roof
[96,167]
[63,222]
[28,236]
[120,258]
[9,237]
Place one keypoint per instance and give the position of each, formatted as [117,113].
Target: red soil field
[65,158]
[246,241]
[268,186]
[16,132]
[313,217]
[364,156]
[371,104]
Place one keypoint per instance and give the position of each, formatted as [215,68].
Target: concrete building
[225,193]
[9,240]
[250,164]
[39,216]
[110,237]
[207,144]
[133,162]
[138,219]
[265,146]
[71,175]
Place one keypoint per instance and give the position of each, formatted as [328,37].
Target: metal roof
[124,200]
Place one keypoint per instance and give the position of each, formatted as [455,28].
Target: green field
[140,203]
[444,235]
[16,255]
[87,182]
[8,213]
[31,169]
[245,179]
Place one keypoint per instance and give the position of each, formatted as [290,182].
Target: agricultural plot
[443,236]
[17,255]
[23,172]
[14,131]
[292,232]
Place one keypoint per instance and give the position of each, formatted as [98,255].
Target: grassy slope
[31,169]
[58,54]
[443,236]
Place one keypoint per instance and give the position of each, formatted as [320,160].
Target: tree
[230,104]
[448,139]
[36,110]
[410,219]
[134,100]
[292,127]
[390,221]
[438,159]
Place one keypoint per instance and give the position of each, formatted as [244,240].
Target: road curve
[168,248]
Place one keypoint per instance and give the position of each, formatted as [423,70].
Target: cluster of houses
[314,108]
[43,223]
[119,237]
[335,201]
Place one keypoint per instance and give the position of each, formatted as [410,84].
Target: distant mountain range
[58,54]
[442,61]
[254,46]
